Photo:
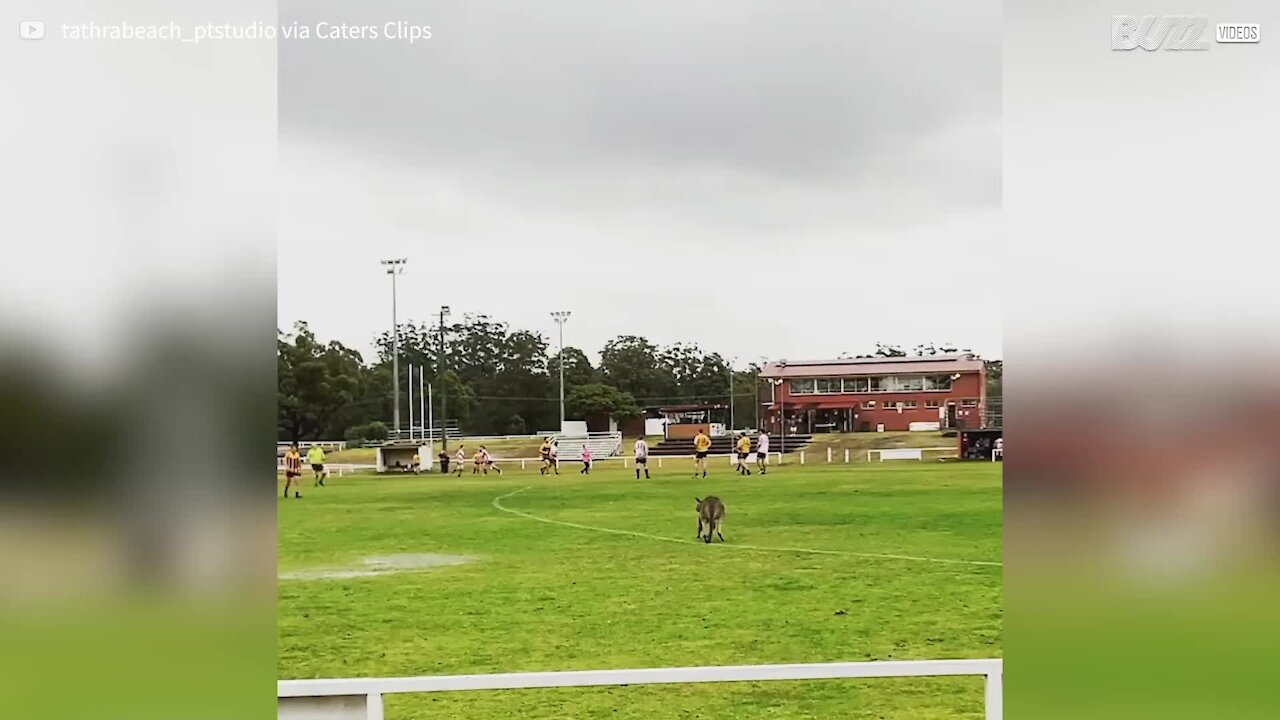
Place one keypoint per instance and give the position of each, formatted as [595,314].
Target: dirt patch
[379,565]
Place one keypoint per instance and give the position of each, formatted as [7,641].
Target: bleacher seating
[602,445]
[724,445]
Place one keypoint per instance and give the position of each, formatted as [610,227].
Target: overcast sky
[765,179]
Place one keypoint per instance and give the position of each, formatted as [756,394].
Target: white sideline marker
[361,698]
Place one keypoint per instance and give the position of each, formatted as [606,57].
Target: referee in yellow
[315,457]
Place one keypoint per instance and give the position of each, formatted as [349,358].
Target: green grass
[859,443]
[541,596]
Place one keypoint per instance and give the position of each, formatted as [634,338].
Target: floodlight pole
[732,423]
[444,415]
[561,317]
[394,268]
[755,394]
[782,410]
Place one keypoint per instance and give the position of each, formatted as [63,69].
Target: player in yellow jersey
[744,448]
[701,444]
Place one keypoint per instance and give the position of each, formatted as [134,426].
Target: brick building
[860,395]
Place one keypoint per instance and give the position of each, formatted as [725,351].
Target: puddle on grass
[379,565]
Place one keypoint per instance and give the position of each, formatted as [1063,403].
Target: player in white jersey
[642,457]
[762,452]
[461,460]
[489,462]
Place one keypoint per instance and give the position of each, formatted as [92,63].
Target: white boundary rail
[361,698]
[908,453]
[656,461]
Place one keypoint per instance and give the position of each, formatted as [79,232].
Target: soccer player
[292,470]
[315,456]
[417,461]
[586,461]
[744,447]
[762,452]
[461,459]
[642,457]
[545,453]
[555,456]
[477,461]
[489,462]
[701,444]
[444,462]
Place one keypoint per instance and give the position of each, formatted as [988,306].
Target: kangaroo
[710,513]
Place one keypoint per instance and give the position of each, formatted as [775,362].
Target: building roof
[871,366]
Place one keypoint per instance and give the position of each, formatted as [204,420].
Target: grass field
[803,577]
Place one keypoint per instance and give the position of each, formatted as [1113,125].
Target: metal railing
[361,698]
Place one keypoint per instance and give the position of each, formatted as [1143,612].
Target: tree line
[495,380]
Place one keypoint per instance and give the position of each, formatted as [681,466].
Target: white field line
[497,504]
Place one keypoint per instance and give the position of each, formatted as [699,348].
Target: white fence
[361,698]
[656,461]
[908,453]
[304,445]
[335,469]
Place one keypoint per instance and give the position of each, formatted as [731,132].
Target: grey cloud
[690,107]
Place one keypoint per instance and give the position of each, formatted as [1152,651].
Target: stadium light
[782,411]
[444,417]
[755,393]
[732,424]
[561,317]
[395,267]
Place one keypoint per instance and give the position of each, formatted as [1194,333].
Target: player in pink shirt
[586,461]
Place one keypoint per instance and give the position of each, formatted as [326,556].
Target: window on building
[868,404]
[875,384]
[826,386]
[969,402]
[910,384]
[908,404]
[933,404]
[802,387]
[937,382]
[855,385]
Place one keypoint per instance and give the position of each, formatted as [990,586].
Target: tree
[315,382]
[596,398]
[630,364]
[577,368]
[995,378]
[695,375]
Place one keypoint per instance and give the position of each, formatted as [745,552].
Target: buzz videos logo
[1156,32]
[1175,32]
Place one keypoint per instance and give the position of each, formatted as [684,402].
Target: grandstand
[724,445]
[602,444]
